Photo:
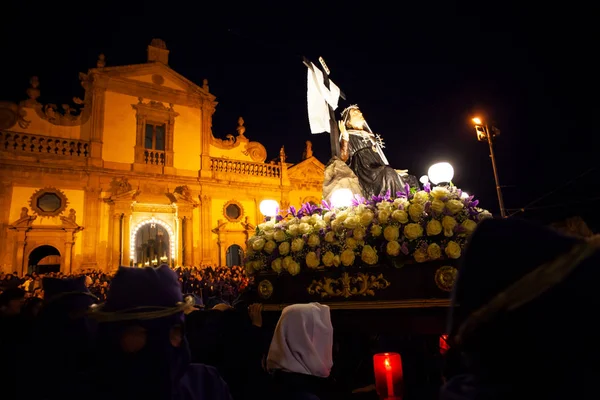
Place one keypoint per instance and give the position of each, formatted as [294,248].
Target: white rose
[293,230]
[454,206]
[369,255]
[376,230]
[433,228]
[293,268]
[327,216]
[415,210]
[469,226]
[439,193]
[279,236]
[305,219]
[359,233]
[366,218]
[383,216]
[270,246]
[437,206]
[284,248]
[400,216]
[351,222]
[413,231]
[421,197]
[258,244]
[351,243]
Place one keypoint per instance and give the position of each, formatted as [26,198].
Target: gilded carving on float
[359,284]
[233,211]
[445,277]
[48,202]
[265,289]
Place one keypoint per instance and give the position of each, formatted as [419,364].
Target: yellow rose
[420,255]
[416,211]
[249,268]
[376,230]
[434,251]
[313,240]
[484,214]
[269,235]
[400,216]
[454,206]
[286,262]
[448,223]
[320,224]
[351,222]
[277,265]
[347,257]
[369,255]
[351,243]
[328,259]
[469,226]
[330,237]
[284,248]
[366,218]
[434,227]
[258,244]
[293,268]
[327,216]
[270,246]
[421,197]
[312,261]
[383,216]
[452,249]
[437,206]
[293,230]
[359,233]
[401,203]
[336,261]
[304,228]
[341,216]
[297,245]
[279,236]
[439,193]
[392,248]
[413,231]
[391,233]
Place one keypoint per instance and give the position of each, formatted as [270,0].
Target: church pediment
[156,74]
[310,170]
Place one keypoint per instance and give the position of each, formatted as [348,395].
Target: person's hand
[365,389]
[255,313]
[343,132]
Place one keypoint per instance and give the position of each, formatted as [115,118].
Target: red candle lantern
[388,375]
[444,346]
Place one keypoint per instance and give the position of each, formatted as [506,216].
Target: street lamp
[485,134]
[269,208]
[441,173]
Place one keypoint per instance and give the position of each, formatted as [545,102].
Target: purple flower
[293,211]
[404,192]
[404,249]
[427,187]
[308,209]
[358,199]
[278,218]
[326,205]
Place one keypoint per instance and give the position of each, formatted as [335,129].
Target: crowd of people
[521,326]
[206,282]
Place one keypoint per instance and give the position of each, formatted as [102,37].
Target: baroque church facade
[134,175]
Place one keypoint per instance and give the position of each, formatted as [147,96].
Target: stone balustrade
[245,168]
[25,143]
[154,157]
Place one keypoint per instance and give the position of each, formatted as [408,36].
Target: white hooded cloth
[303,341]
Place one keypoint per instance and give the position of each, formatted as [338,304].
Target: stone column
[188,241]
[19,262]
[206,229]
[116,240]
[6,252]
[91,221]
[126,260]
[179,232]
[96,122]
[67,258]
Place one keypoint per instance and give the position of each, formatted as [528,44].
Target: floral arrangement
[419,225]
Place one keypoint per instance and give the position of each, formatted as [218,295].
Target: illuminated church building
[134,176]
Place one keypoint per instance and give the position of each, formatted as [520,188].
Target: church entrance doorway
[153,245]
[235,255]
[44,259]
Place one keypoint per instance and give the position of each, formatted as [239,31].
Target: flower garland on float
[424,225]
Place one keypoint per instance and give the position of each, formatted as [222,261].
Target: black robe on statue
[374,176]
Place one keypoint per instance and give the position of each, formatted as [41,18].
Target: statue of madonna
[362,151]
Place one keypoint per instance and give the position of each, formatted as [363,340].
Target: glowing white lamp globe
[424,179]
[441,173]
[269,208]
[341,198]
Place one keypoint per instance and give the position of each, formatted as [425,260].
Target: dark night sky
[418,72]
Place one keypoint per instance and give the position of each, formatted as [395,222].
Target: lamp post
[485,134]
